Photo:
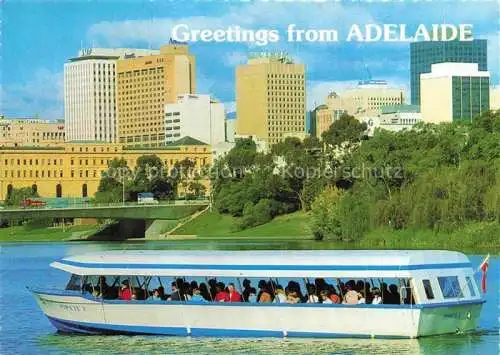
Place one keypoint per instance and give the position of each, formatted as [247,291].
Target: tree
[18,195]
[110,189]
[326,216]
[345,129]
[182,172]
[241,157]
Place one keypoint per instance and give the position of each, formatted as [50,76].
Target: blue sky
[39,36]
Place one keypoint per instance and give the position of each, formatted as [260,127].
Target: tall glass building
[424,54]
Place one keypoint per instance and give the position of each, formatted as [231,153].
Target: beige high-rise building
[270,98]
[30,132]
[144,86]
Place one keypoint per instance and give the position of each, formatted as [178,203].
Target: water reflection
[159,345]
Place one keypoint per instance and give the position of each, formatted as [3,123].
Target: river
[25,330]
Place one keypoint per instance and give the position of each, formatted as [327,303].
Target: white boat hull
[92,316]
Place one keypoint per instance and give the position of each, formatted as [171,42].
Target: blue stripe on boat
[101,328]
[266,267]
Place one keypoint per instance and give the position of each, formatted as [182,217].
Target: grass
[472,236]
[215,225]
[29,234]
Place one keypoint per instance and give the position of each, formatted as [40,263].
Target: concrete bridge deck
[169,210]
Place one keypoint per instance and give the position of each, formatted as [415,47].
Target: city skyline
[35,47]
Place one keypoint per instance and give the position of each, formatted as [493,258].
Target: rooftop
[193,262]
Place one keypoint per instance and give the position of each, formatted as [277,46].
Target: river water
[25,330]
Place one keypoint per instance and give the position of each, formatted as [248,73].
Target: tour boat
[426,293]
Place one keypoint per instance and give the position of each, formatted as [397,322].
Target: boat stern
[457,318]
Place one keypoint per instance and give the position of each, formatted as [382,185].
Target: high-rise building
[454,91]
[424,54]
[144,86]
[322,119]
[89,93]
[31,132]
[196,116]
[270,98]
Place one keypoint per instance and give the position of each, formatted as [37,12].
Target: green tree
[110,187]
[346,129]
[18,195]
[326,218]
[241,158]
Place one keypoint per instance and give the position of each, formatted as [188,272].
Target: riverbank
[480,237]
[28,233]
[210,226]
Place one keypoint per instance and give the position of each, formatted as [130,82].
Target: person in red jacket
[233,295]
[125,292]
[220,294]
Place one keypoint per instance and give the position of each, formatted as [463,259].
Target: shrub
[326,214]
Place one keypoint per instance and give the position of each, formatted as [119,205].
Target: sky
[38,37]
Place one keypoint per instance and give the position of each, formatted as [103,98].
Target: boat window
[428,289]
[75,283]
[470,284]
[450,287]
[253,290]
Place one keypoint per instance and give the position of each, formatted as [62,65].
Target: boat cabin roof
[310,263]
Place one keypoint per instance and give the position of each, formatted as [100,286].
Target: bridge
[134,219]
[169,210]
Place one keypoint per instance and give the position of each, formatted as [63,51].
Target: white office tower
[195,116]
[89,93]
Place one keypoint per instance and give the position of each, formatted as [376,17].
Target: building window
[58,190]
[84,190]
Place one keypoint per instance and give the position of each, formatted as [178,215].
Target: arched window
[9,190]
[34,188]
[58,190]
[84,190]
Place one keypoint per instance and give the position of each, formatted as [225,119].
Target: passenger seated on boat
[220,294]
[384,292]
[311,294]
[161,293]
[361,296]
[333,296]
[377,299]
[293,297]
[325,297]
[351,296]
[204,292]
[125,293]
[233,295]
[252,295]
[197,297]
[156,295]
[265,295]
[294,287]
[321,285]
[175,295]
[247,286]
[279,294]
[395,297]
